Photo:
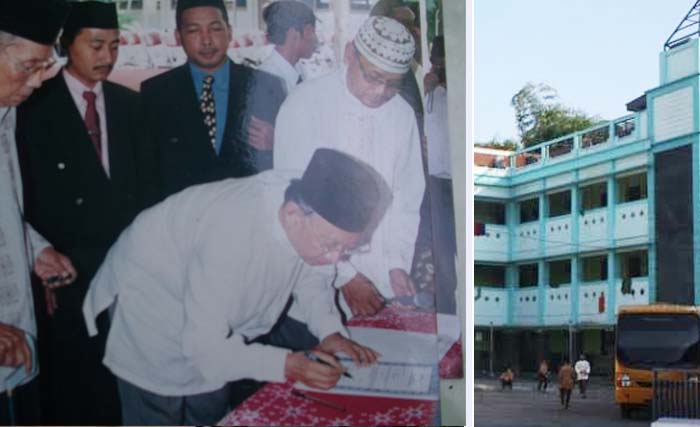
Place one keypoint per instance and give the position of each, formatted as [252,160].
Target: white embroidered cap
[386,43]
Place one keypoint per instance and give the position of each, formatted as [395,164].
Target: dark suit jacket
[69,198]
[179,137]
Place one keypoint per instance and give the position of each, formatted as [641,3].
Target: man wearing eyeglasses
[198,277]
[28,29]
[81,147]
[356,110]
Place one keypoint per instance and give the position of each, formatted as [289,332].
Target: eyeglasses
[30,70]
[335,248]
[392,85]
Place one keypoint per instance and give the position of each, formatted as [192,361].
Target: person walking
[542,376]
[583,369]
[566,383]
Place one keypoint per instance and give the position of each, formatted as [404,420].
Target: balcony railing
[584,142]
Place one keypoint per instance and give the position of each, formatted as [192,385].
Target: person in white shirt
[444,244]
[583,369]
[28,30]
[199,276]
[356,110]
[291,27]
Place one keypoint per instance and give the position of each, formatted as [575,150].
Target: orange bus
[653,336]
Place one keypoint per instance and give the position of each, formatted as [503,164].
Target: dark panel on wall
[673,174]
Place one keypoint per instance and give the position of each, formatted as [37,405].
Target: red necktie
[92,122]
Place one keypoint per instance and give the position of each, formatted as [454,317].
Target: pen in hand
[313,357]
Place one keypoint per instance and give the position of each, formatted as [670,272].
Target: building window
[594,196]
[489,212]
[632,187]
[634,264]
[528,275]
[136,4]
[493,276]
[529,210]
[559,203]
[123,4]
[594,268]
[559,272]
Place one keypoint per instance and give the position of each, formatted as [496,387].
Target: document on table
[407,369]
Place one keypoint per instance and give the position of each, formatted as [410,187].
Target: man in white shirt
[28,29]
[356,110]
[291,27]
[199,276]
[583,369]
[441,224]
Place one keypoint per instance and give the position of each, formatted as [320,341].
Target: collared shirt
[19,243]
[277,65]
[76,89]
[222,78]
[198,276]
[324,113]
[437,133]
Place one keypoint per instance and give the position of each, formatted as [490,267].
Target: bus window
[646,341]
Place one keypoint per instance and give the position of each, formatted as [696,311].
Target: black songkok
[183,5]
[91,14]
[341,189]
[37,20]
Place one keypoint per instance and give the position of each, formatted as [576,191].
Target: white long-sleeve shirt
[199,275]
[19,243]
[323,113]
[277,65]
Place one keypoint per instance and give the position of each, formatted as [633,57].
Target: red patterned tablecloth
[274,404]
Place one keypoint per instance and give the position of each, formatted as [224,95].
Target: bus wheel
[625,411]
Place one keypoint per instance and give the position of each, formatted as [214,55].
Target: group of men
[170,282]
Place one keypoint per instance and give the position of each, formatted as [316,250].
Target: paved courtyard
[526,407]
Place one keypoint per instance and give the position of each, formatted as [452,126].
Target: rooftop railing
[581,143]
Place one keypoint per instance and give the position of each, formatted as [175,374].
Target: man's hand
[362,297]
[261,134]
[50,299]
[54,269]
[298,367]
[430,82]
[14,350]
[401,283]
[361,355]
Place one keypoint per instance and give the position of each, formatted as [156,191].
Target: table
[274,404]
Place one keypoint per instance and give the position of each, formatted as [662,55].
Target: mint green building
[581,225]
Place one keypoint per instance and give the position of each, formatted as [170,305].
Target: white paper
[408,367]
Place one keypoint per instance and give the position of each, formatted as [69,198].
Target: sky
[597,54]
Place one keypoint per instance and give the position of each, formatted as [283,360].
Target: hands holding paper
[325,373]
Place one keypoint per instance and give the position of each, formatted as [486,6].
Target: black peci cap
[91,14]
[183,5]
[341,189]
[37,20]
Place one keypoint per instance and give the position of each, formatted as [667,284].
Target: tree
[541,117]
[506,144]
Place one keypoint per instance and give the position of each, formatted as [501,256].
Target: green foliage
[506,144]
[541,117]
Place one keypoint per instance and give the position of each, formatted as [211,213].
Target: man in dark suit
[85,180]
[209,119]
